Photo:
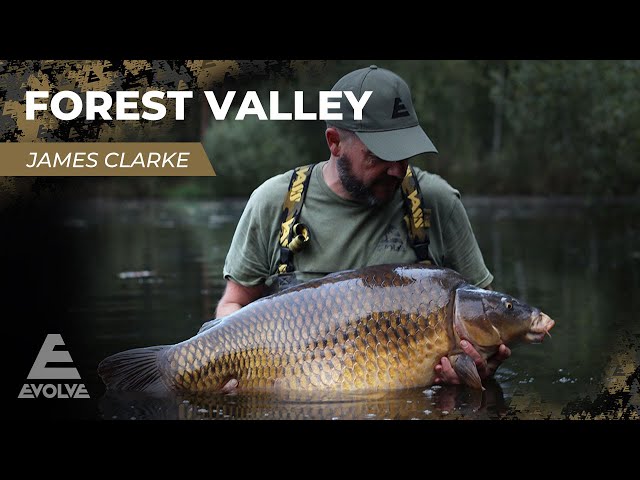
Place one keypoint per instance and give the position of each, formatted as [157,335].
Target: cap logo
[399,110]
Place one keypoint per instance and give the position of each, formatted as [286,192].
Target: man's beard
[357,189]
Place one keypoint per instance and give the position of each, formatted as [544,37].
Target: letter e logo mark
[399,110]
[39,371]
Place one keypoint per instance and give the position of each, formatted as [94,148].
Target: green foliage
[501,127]
[246,153]
[575,125]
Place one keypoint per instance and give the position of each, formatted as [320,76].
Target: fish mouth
[540,327]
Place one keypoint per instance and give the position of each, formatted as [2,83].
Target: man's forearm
[225,309]
[236,296]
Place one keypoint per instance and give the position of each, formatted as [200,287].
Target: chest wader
[295,235]
[416,216]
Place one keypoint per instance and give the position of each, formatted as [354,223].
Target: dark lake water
[152,276]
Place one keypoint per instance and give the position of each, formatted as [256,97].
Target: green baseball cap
[389,125]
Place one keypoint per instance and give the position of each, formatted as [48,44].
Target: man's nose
[398,169]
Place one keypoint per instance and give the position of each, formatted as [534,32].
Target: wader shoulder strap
[417,217]
[293,235]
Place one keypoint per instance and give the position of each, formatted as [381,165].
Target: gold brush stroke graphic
[93,159]
[19,76]
[98,75]
[620,395]
[614,397]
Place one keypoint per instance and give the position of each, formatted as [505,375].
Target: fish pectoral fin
[466,369]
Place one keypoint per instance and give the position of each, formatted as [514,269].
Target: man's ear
[333,141]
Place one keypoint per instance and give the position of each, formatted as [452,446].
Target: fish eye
[507,303]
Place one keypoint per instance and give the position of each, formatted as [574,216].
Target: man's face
[367,178]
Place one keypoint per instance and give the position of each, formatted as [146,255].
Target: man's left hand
[445,374]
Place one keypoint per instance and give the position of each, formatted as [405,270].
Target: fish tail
[137,369]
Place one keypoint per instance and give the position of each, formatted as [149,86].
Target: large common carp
[380,327]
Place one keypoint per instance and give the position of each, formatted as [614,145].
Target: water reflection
[413,404]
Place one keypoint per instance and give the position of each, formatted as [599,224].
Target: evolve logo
[40,371]
[399,109]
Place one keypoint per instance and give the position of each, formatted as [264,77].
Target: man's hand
[445,374]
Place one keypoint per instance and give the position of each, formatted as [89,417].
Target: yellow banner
[169,159]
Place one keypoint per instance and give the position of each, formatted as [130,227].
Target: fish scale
[377,342]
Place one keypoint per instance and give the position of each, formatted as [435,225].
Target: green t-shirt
[345,234]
